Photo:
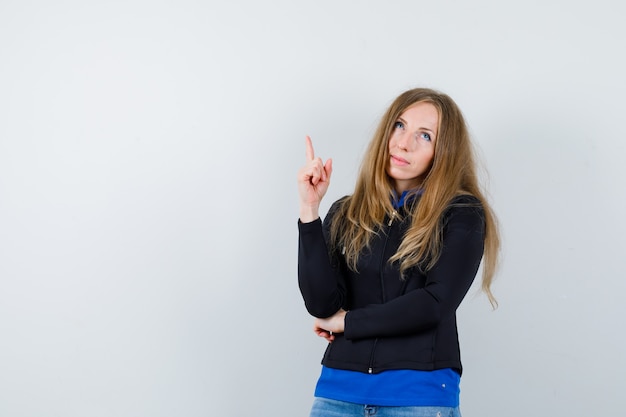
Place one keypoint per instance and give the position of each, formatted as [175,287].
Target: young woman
[387,269]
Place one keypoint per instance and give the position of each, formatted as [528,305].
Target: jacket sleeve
[319,276]
[446,283]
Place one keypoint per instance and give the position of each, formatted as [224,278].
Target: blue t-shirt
[403,387]
[406,196]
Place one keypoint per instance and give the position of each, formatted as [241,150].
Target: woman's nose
[404,141]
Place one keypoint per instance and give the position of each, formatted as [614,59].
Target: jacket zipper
[370,369]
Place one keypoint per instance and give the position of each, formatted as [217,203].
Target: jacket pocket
[416,351]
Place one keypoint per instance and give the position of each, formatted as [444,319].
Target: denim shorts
[323,407]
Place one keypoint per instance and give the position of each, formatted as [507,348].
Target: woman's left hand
[327,327]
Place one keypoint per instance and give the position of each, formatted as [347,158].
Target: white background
[148,206]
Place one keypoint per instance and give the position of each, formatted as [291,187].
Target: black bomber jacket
[393,322]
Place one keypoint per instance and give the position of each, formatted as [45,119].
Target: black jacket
[393,323]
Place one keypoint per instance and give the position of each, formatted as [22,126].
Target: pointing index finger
[310,155]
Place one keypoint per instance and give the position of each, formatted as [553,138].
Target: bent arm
[446,285]
[321,283]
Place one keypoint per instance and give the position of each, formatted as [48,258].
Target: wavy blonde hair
[452,173]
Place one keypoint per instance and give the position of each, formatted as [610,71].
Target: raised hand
[313,182]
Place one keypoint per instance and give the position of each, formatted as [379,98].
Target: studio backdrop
[148,203]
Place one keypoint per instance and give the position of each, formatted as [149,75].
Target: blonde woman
[387,269]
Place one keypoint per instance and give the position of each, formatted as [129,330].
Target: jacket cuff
[306,227]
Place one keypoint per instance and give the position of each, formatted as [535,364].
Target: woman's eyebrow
[419,128]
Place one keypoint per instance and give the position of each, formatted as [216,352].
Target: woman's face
[412,145]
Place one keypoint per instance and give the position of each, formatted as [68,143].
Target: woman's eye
[425,136]
[398,125]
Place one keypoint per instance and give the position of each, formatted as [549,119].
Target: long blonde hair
[453,173]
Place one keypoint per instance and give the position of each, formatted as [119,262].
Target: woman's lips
[399,161]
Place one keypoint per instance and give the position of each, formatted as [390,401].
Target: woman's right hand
[313,181]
